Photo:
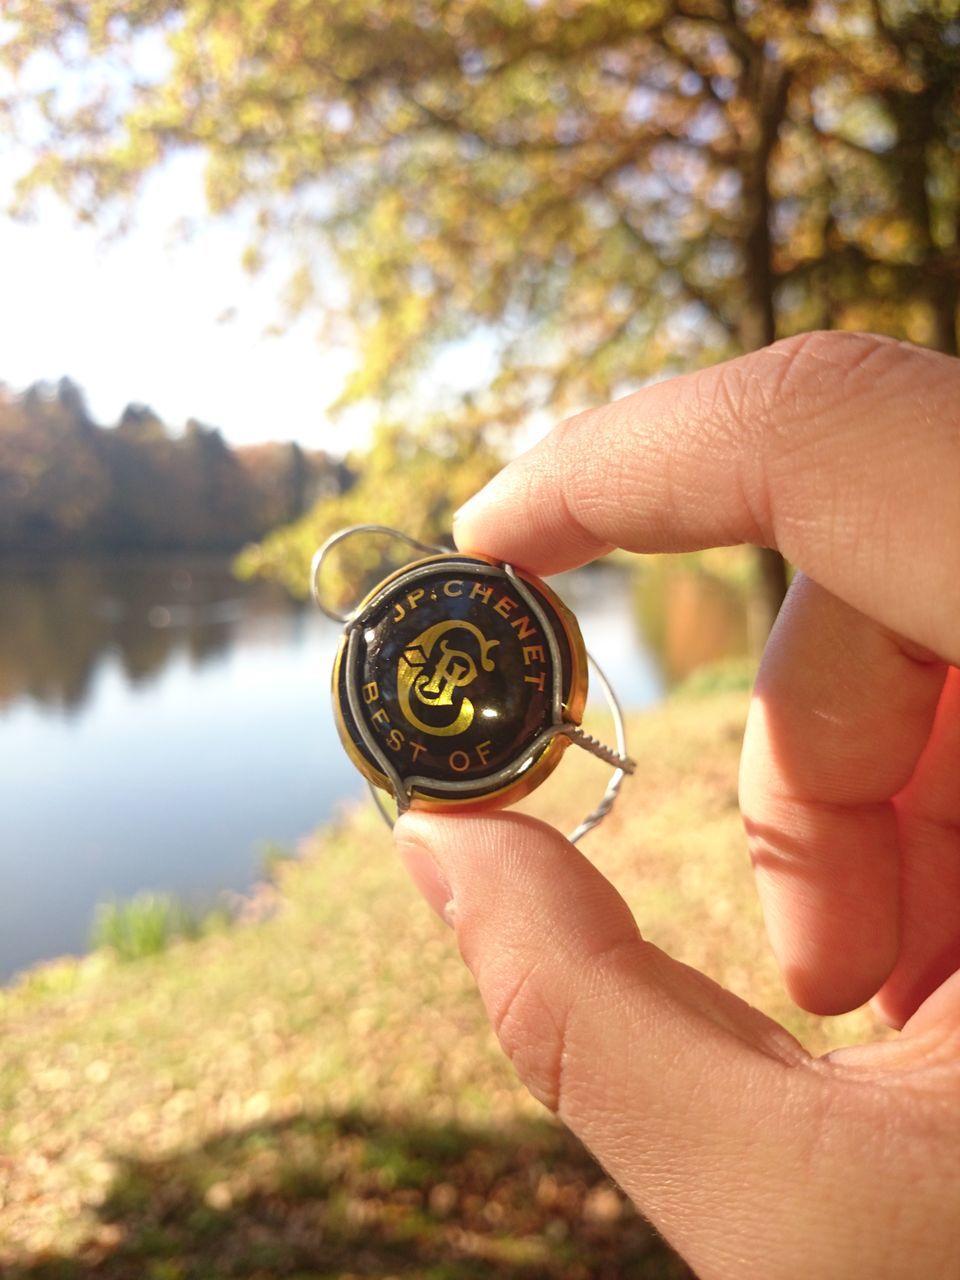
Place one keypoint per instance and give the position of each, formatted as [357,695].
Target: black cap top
[452,681]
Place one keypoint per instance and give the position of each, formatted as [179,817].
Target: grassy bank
[316,1093]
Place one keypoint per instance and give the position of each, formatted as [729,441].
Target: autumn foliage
[596,191]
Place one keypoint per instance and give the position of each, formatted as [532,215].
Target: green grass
[732,676]
[317,1093]
[147,924]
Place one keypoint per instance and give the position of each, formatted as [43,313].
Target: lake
[162,725]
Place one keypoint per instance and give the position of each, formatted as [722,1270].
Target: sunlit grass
[320,1089]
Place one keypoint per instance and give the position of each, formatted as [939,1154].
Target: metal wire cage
[402,788]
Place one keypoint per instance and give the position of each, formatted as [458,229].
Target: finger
[929,826]
[736,1145]
[840,449]
[658,1070]
[839,718]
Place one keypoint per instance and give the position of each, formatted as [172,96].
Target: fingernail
[428,877]
[463,513]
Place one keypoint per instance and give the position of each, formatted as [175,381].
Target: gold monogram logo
[431,673]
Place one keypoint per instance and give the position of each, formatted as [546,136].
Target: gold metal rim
[549,757]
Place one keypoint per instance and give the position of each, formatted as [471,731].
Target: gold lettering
[483,751]
[455,761]
[452,669]
[399,612]
[537,680]
[483,592]
[448,587]
[418,749]
[414,597]
[394,739]
[371,692]
[533,653]
[380,716]
[504,606]
[523,628]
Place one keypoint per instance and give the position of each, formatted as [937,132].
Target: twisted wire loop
[402,788]
[623,762]
[320,555]
[619,758]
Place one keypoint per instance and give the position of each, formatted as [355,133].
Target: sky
[141,318]
[177,324]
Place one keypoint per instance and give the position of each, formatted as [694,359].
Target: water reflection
[58,621]
[161,723]
[691,618]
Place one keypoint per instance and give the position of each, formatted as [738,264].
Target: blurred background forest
[68,486]
[489,215]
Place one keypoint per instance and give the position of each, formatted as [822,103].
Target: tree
[54,483]
[138,422]
[606,190]
[871,183]
[407,480]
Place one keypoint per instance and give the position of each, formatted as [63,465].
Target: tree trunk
[758,323]
[916,121]
[945,306]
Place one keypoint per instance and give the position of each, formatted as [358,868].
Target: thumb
[683,1092]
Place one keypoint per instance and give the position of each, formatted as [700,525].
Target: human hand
[753,1158]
